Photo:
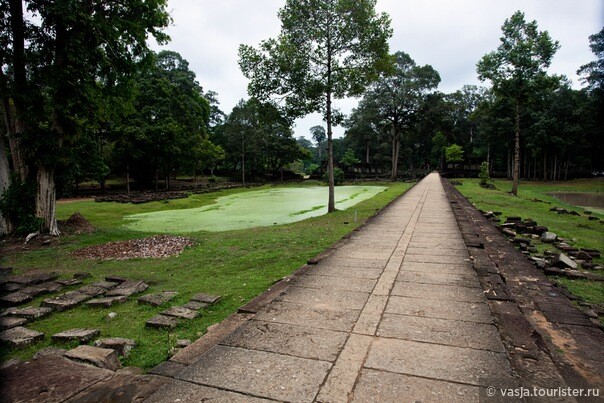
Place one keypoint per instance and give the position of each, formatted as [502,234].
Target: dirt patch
[155,247]
[76,224]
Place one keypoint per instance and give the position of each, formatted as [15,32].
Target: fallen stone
[548,237]
[182,343]
[5,271]
[91,290]
[587,212]
[20,336]
[80,335]
[7,322]
[588,265]
[513,219]
[97,356]
[116,279]
[539,229]
[532,249]
[577,214]
[50,351]
[180,312]
[195,305]
[107,285]
[583,256]
[106,302]
[161,321]
[562,261]
[68,282]
[519,241]
[158,298]
[207,298]
[553,271]
[15,298]
[595,253]
[65,301]
[128,288]
[574,274]
[81,275]
[121,346]
[11,287]
[28,312]
[112,315]
[509,232]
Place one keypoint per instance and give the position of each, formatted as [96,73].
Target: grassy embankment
[238,265]
[534,201]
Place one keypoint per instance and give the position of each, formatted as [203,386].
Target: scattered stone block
[7,322]
[120,345]
[116,279]
[68,282]
[15,298]
[553,271]
[80,335]
[106,302]
[23,280]
[539,229]
[525,241]
[29,312]
[594,253]
[180,312]
[42,288]
[513,219]
[195,305]
[161,321]
[157,299]
[107,285]
[97,356]
[11,287]
[583,256]
[20,336]
[548,237]
[509,232]
[91,290]
[50,351]
[81,275]
[562,261]
[65,301]
[128,288]
[182,343]
[168,368]
[207,298]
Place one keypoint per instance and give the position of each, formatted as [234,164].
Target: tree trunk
[545,166]
[395,153]
[555,171]
[367,153]
[6,225]
[128,178]
[243,169]
[509,163]
[516,152]
[46,200]
[331,202]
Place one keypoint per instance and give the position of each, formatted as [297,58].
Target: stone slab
[50,378]
[432,308]
[180,312]
[65,301]
[351,262]
[441,331]
[335,283]
[15,298]
[157,299]
[43,288]
[50,351]
[127,288]
[305,342]
[325,299]
[121,346]
[195,305]
[121,387]
[438,291]
[435,361]
[116,279]
[445,268]
[306,315]
[80,335]
[68,282]
[188,392]
[8,322]
[206,298]
[161,321]
[99,357]
[439,278]
[107,285]
[106,302]
[20,336]
[168,368]
[381,386]
[258,373]
[428,258]
[92,290]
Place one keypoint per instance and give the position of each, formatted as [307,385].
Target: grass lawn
[238,265]
[534,201]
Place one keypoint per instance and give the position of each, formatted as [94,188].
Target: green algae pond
[259,208]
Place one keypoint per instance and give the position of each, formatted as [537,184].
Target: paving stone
[128,288]
[206,298]
[259,373]
[80,335]
[161,321]
[168,368]
[120,345]
[306,315]
[65,301]
[436,361]
[326,299]
[441,331]
[157,299]
[106,302]
[49,378]
[15,298]
[187,392]
[334,283]
[348,272]
[99,357]
[438,291]
[443,309]
[180,312]
[20,336]
[29,312]
[7,322]
[195,305]
[439,278]
[381,386]
[305,342]
[121,387]
[91,290]
[68,282]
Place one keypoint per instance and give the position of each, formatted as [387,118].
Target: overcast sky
[449,35]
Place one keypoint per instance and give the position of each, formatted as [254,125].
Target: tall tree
[319,136]
[517,69]
[60,54]
[327,49]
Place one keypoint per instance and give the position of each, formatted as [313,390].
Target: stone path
[395,313]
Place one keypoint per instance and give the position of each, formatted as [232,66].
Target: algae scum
[251,209]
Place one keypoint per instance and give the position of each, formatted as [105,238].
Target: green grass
[534,201]
[238,265]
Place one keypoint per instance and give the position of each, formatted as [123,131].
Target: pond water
[251,209]
[581,199]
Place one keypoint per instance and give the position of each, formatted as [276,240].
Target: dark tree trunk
[46,200]
[516,151]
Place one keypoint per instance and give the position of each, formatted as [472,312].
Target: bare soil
[158,246]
